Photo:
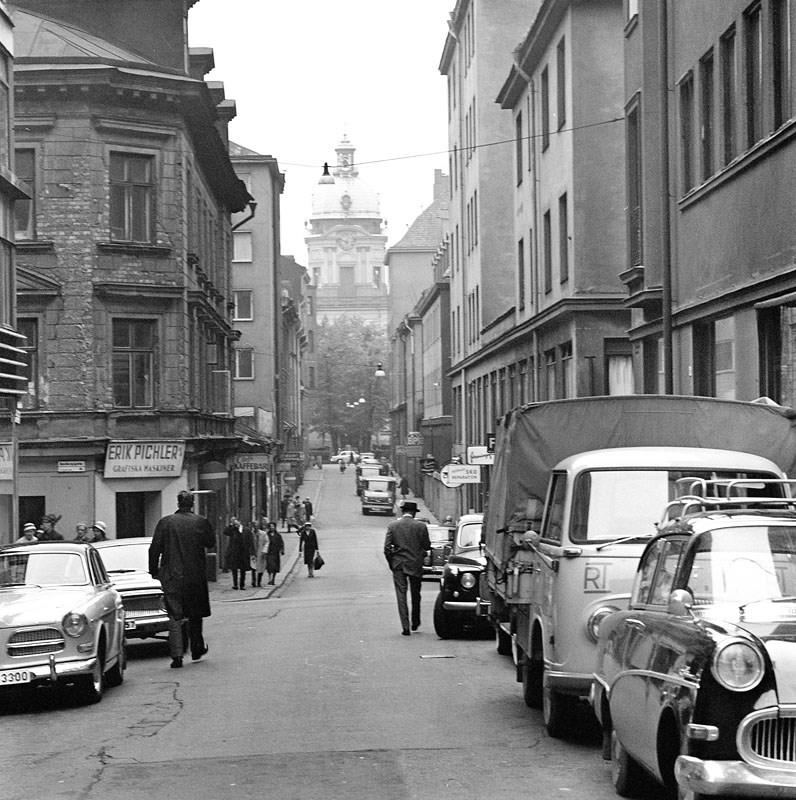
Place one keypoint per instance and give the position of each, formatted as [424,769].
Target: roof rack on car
[726,493]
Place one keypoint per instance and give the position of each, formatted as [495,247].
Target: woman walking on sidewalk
[274,550]
[308,542]
[258,560]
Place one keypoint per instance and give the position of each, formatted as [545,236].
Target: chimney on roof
[441,185]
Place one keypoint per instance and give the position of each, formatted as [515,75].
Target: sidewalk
[423,513]
[222,591]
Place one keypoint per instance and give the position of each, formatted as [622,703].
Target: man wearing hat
[49,534]
[28,533]
[405,546]
[177,558]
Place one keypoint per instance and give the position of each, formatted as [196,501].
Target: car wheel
[364,512]
[502,641]
[89,687]
[626,773]
[557,711]
[445,624]
[531,685]
[115,675]
[532,676]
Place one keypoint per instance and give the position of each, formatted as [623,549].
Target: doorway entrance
[131,513]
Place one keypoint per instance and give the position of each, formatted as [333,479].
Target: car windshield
[438,535]
[614,504]
[126,557]
[42,569]
[469,537]
[739,566]
[375,485]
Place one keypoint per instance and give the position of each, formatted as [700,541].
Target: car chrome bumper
[574,683]
[146,627]
[54,670]
[733,777]
[460,605]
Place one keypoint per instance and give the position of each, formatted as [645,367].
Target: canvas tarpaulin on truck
[532,439]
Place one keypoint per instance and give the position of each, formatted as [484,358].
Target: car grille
[769,738]
[151,606]
[35,642]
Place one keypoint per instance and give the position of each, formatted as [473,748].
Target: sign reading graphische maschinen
[144,459]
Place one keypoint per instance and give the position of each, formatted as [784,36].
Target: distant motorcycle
[342,465]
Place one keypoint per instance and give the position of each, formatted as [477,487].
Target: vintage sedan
[441,537]
[127,562]
[346,456]
[61,619]
[695,683]
[457,602]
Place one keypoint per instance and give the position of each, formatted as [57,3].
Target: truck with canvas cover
[576,491]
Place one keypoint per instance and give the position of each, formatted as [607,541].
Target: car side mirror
[681,601]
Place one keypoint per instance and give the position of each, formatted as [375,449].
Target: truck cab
[377,494]
[578,567]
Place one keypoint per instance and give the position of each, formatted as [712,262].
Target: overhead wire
[480,146]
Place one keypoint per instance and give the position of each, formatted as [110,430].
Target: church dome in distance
[346,194]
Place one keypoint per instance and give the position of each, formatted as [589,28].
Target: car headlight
[595,618]
[468,580]
[74,624]
[738,665]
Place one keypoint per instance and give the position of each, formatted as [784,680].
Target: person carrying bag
[308,543]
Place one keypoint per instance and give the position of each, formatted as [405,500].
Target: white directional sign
[453,475]
[480,455]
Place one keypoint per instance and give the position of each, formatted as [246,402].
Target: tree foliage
[349,403]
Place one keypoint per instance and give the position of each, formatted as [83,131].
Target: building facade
[420,338]
[256,314]
[345,244]
[475,56]
[124,287]
[297,326]
[537,227]
[711,275]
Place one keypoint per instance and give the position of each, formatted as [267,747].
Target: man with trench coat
[177,559]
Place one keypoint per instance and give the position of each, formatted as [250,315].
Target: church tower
[346,244]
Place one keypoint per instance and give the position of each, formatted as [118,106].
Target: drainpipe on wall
[666,222]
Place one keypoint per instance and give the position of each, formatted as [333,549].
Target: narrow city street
[308,691]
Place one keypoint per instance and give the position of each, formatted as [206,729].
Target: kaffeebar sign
[144,459]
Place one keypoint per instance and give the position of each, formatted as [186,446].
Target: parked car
[127,562]
[368,458]
[694,683]
[346,456]
[61,619]
[441,537]
[457,602]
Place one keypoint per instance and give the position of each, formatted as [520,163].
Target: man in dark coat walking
[177,560]
[405,545]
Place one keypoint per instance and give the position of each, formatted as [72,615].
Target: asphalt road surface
[308,691]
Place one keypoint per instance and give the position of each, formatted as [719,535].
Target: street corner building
[123,256]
